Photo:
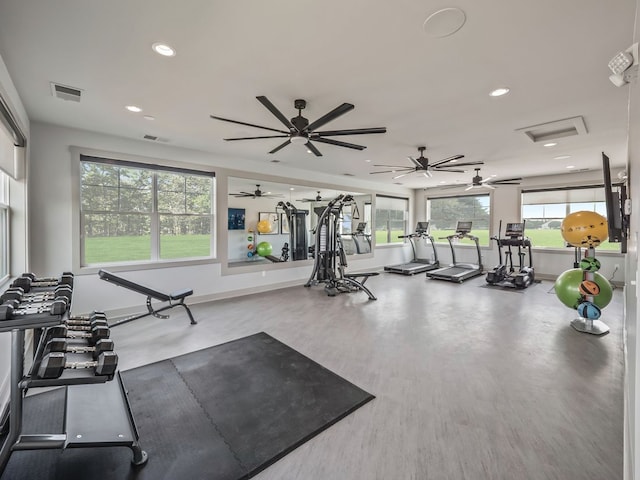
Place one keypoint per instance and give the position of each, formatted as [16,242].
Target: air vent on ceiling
[66,92]
[544,132]
[155,138]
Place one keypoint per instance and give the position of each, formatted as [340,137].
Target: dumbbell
[53,364]
[75,324]
[18,293]
[87,319]
[28,280]
[62,345]
[9,311]
[92,334]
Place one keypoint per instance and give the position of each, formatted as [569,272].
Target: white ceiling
[429,91]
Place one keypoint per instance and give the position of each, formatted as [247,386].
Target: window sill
[127,267]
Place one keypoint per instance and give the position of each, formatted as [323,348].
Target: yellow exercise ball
[584,229]
[264,226]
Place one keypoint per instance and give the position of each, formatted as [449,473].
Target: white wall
[632,372]
[54,213]
[19,232]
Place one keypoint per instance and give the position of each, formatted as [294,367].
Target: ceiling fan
[257,193]
[318,198]
[300,131]
[421,164]
[478,182]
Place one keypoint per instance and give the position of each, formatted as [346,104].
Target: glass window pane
[171,202]
[390,220]
[446,212]
[544,214]
[185,236]
[112,237]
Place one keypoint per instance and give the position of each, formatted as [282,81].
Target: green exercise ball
[567,288]
[264,249]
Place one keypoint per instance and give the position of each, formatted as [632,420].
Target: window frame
[155,165]
[564,188]
[376,218]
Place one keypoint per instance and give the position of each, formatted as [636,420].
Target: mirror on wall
[272,222]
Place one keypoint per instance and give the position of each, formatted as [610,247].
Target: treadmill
[417,265]
[362,239]
[459,272]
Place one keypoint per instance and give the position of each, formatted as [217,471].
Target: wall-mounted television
[235,219]
[615,196]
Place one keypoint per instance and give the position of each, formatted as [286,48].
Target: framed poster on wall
[235,218]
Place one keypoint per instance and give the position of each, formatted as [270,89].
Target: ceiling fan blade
[485,180]
[415,162]
[247,124]
[282,145]
[448,170]
[486,185]
[332,115]
[339,144]
[508,181]
[468,188]
[400,176]
[276,113]
[427,174]
[464,164]
[352,131]
[393,166]
[446,160]
[255,138]
[313,148]
[386,171]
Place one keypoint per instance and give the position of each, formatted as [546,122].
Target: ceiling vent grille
[545,132]
[66,92]
[155,138]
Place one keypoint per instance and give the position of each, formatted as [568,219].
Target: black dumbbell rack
[91,400]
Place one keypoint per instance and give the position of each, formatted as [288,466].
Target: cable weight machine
[330,260]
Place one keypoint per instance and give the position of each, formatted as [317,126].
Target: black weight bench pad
[177,296]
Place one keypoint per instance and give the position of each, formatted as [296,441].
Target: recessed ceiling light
[443,181]
[367,161]
[149,117]
[309,151]
[133,108]
[562,157]
[550,144]
[163,49]
[498,92]
[570,166]
[493,176]
[291,188]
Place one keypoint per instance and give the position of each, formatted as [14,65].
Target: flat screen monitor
[463,227]
[422,227]
[614,203]
[514,229]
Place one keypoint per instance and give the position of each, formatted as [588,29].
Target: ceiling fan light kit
[301,132]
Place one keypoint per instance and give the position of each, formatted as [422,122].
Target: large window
[4,225]
[391,219]
[444,213]
[134,213]
[544,210]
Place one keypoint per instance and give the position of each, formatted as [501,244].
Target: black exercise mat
[226,412]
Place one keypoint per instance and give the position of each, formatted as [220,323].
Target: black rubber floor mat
[225,412]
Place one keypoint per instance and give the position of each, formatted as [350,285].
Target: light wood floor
[471,382]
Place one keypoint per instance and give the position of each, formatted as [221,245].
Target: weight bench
[175,299]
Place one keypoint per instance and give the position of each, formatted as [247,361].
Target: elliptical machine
[504,274]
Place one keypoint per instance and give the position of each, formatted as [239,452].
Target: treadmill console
[514,230]
[463,227]
[422,227]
